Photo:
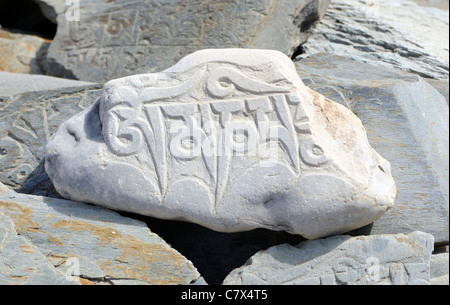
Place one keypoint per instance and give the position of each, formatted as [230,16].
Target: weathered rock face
[439,269]
[407,122]
[21,263]
[27,121]
[398,34]
[230,139]
[53,241]
[21,53]
[118,38]
[342,260]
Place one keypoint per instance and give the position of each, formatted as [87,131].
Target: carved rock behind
[118,38]
[230,139]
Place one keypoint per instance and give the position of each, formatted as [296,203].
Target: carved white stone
[230,139]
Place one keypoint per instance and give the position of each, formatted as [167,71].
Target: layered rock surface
[400,34]
[21,263]
[230,139]
[73,243]
[406,120]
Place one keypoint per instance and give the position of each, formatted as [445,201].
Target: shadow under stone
[39,183]
[215,254]
[25,16]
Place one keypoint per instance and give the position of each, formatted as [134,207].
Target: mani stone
[228,138]
[406,121]
[119,38]
[84,244]
[342,260]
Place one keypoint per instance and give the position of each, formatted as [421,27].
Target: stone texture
[230,139]
[21,53]
[440,85]
[94,244]
[400,34]
[27,121]
[121,38]
[342,260]
[442,4]
[406,122]
[439,269]
[16,83]
[21,263]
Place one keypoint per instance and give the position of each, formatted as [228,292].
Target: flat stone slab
[228,138]
[118,38]
[21,263]
[406,122]
[342,260]
[27,120]
[16,83]
[94,245]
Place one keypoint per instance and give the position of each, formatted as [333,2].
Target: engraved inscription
[212,131]
[119,38]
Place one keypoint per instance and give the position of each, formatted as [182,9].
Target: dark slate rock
[406,121]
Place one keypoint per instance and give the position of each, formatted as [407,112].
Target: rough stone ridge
[397,34]
[70,242]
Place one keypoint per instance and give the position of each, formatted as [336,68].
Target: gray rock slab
[16,83]
[113,39]
[342,260]
[439,269]
[95,245]
[400,34]
[21,263]
[27,121]
[407,122]
[228,138]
